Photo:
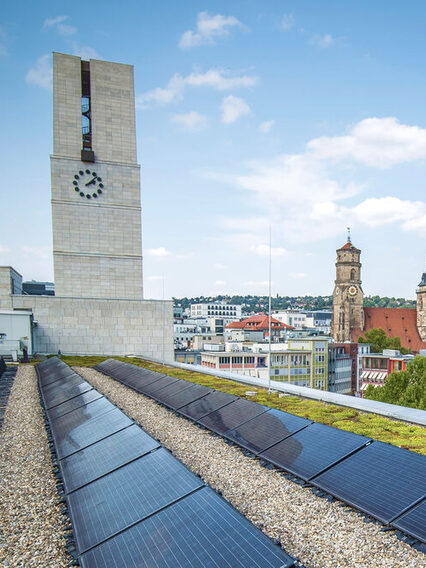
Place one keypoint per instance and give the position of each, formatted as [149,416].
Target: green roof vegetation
[371,425]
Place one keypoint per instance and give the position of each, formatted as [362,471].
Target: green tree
[379,341]
[406,388]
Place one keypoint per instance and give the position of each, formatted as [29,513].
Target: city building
[321,320]
[340,369]
[376,367]
[256,328]
[34,288]
[298,320]
[216,309]
[98,307]
[351,319]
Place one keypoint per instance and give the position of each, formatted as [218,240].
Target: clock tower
[96,209]
[348,297]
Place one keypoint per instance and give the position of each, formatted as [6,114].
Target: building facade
[216,309]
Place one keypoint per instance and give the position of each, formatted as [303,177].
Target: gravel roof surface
[31,520]
[321,534]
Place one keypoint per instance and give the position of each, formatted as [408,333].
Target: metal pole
[269,343]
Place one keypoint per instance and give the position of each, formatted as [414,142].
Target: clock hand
[91,181]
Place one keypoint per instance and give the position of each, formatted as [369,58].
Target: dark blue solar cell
[104,456]
[152,388]
[200,531]
[313,449]
[381,480]
[207,404]
[180,394]
[266,430]
[63,392]
[127,495]
[413,522]
[66,382]
[56,375]
[72,437]
[231,415]
[73,404]
[138,381]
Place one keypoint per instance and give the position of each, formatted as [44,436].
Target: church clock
[88,184]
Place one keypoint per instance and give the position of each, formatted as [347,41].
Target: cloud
[323,41]
[41,73]
[85,52]
[220,282]
[43,253]
[220,266]
[214,78]
[312,195]
[192,121]
[159,252]
[256,284]
[4,249]
[297,275]
[154,278]
[209,28]
[376,142]
[265,127]
[263,250]
[287,22]
[58,25]
[233,108]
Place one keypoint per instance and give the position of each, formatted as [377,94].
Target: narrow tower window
[353,274]
[87,154]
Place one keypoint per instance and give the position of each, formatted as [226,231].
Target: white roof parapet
[403,413]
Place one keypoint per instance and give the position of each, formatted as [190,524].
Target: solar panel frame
[231,415]
[313,449]
[206,404]
[89,432]
[266,430]
[73,404]
[105,456]
[127,495]
[380,479]
[200,530]
[413,521]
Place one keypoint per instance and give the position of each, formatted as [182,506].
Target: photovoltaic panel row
[180,394]
[116,484]
[332,459]
[73,404]
[201,530]
[62,392]
[380,479]
[413,522]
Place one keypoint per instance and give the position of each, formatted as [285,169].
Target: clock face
[88,184]
[353,290]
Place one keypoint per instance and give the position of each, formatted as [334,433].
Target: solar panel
[170,390]
[152,388]
[127,495]
[201,530]
[186,394]
[73,404]
[138,381]
[82,414]
[105,456]
[69,381]
[207,404]
[309,451]
[63,393]
[69,441]
[231,415]
[381,480]
[56,375]
[413,522]
[266,430]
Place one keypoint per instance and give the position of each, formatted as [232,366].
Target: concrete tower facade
[421,308]
[96,209]
[348,297]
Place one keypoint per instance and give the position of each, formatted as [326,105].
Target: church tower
[421,307]
[348,297]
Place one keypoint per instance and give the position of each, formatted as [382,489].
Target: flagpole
[269,342]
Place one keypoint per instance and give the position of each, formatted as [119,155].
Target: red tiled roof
[348,246]
[397,322]
[258,322]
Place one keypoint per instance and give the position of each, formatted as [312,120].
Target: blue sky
[306,116]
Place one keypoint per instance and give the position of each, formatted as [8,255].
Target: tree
[406,388]
[379,341]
